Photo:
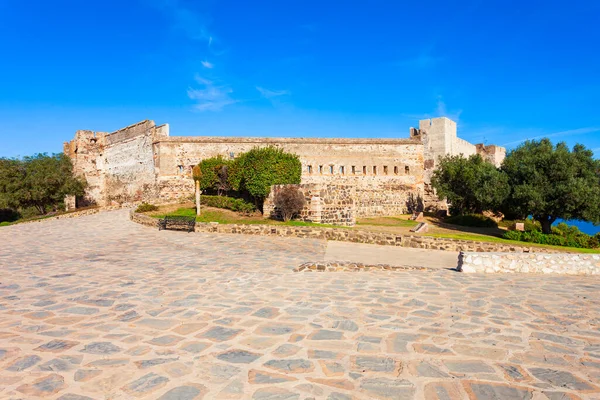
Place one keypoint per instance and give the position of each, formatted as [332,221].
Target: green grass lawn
[229,217]
[401,221]
[494,239]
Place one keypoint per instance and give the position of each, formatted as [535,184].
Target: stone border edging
[336,266]
[557,263]
[74,214]
[352,235]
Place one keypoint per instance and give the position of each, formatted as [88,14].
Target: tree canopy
[211,173]
[471,185]
[266,166]
[251,174]
[40,181]
[551,182]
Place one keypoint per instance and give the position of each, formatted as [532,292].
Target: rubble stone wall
[560,263]
[325,204]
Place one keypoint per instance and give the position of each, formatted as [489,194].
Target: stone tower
[439,138]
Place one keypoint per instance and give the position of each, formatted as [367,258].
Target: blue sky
[505,70]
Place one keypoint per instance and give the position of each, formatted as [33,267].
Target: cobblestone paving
[101,308]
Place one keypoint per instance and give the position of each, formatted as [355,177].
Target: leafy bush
[230,203]
[473,220]
[531,225]
[145,207]
[289,201]
[261,167]
[5,223]
[512,235]
[250,175]
[563,229]
[563,236]
[213,174]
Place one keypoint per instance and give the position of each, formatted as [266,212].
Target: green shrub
[474,220]
[512,235]
[213,174]
[230,203]
[573,238]
[531,225]
[145,207]
[262,167]
[5,223]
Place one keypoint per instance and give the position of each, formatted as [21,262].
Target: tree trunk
[197,197]
[41,209]
[547,222]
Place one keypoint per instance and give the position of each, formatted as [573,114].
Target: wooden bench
[177,222]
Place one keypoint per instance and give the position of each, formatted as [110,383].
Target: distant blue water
[585,227]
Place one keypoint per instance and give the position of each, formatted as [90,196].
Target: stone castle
[143,163]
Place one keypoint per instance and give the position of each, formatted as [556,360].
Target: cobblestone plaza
[99,307]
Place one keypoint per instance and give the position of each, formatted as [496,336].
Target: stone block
[519,226]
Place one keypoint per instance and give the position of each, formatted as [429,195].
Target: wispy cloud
[210,96]
[207,64]
[269,94]
[570,132]
[441,110]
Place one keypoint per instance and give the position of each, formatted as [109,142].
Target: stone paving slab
[101,308]
[391,255]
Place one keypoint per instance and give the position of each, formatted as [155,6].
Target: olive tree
[551,182]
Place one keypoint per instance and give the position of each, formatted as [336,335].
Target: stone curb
[336,266]
[557,263]
[68,215]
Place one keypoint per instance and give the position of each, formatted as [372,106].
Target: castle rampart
[142,162]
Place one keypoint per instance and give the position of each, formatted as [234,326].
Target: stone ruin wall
[143,163]
[325,204]
[118,166]
[384,173]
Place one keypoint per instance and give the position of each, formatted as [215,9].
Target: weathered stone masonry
[143,163]
[325,204]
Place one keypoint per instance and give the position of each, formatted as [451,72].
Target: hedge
[230,203]
[580,240]
[474,220]
[145,207]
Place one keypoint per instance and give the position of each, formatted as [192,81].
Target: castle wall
[383,171]
[325,204]
[461,146]
[118,166]
[142,162]
[128,165]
